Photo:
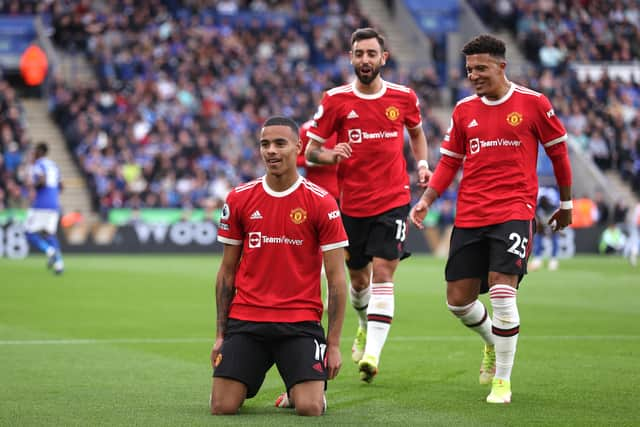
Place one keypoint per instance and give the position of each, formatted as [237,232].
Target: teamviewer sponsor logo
[383,134]
[474,145]
[355,135]
[255,239]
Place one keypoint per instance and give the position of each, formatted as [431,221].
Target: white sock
[360,302]
[379,317]
[506,325]
[475,317]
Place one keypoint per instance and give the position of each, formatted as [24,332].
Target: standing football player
[369,116]
[494,136]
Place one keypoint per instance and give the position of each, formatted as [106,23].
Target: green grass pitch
[125,340]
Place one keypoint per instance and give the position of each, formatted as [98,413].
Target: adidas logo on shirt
[352,115]
[255,215]
[473,124]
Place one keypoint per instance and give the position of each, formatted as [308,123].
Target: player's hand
[215,351]
[333,361]
[342,151]
[560,219]
[418,213]
[423,176]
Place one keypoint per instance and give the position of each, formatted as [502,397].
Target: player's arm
[316,153]
[337,297]
[553,135]
[418,143]
[225,291]
[440,180]
[559,155]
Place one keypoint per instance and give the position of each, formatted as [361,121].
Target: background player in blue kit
[42,218]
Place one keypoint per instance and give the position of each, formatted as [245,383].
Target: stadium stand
[181,86]
[14,144]
[181,89]
[585,55]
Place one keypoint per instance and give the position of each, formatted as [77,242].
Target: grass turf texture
[125,340]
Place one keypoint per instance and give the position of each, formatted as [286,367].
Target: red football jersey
[498,141]
[374,179]
[282,235]
[326,176]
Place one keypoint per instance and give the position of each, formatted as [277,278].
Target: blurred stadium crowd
[600,114]
[182,86]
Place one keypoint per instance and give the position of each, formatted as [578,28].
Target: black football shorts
[503,248]
[250,349]
[382,236]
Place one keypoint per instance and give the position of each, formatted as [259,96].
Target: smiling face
[279,148]
[367,58]
[486,74]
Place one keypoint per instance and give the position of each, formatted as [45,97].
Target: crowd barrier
[201,237]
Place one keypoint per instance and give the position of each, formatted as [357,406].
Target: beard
[368,78]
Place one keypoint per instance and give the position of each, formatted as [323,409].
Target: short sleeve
[412,118]
[332,233]
[549,128]
[453,142]
[325,119]
[230,229]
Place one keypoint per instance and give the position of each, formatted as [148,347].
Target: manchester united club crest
[392,113]
[298,215]
[514,119]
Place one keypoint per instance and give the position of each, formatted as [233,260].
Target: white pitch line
[525,337]
[107,341]
[400,338]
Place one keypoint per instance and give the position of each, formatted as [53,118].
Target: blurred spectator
[33,68]
[633,243]
[612,240]
[183,87]
[601,213]
[551,56]
[13,147]
[620,210]
[583,212]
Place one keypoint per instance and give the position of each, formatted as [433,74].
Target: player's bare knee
[309,407]
[222,407]
[224,404]
[383,270]
[502,278]
[359,279]
[463,292]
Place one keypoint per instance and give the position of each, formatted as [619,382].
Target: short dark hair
[485,43]
[281,121]
[365,34]
[42,148]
